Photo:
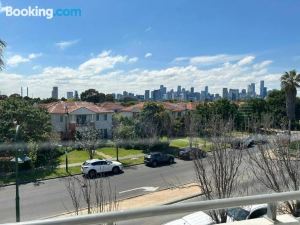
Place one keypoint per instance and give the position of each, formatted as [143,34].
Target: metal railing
[110,217]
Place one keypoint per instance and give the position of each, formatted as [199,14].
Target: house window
[105,133]
[61,119]
[97,117]
[105,116]
[81,119]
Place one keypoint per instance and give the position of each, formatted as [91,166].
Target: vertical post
[66,153]
[272,211]
[17,174]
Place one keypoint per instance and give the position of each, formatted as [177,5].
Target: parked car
[93,167]
[196,218]
[234,214]
[156,158]
[191,153]
[246,212]
[241,143]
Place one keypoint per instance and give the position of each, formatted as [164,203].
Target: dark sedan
[191,153]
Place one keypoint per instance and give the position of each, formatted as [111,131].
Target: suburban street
[51,198]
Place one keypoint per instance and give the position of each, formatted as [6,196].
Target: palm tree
[290,81]
[2,45]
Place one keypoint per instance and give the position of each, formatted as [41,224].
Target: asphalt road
[51,198]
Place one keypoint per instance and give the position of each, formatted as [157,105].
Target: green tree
[276,106]
[34,121]
[152,119]
[92,95]
[290,81]
[2,46]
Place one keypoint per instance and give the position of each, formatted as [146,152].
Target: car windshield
[238,214]
[86,163]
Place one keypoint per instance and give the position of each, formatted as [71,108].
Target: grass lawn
[111,151]
[33,175]
[184,142]
[76,156]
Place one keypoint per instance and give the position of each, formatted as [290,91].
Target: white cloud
[102,62]
[15,60]
[100,72]
[66,44]
[209,59]
[246,60]
[133,59]
[262,64]
[148,54]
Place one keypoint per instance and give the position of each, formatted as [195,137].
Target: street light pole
[17,174]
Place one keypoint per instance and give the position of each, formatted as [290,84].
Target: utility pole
[17,174]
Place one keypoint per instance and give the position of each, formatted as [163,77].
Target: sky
[133,45]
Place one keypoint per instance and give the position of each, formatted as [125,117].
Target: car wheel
[171,160]
[116,170]
[92,174]
[154,164]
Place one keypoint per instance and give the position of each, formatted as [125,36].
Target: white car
[197,218]
[95,166]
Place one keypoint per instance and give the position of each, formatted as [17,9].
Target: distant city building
[76,96]
[70,95]
[54,93]
[251,90]
[233,94]
[263,89]
[147,95]
[225,93]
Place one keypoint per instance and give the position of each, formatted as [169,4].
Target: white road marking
[148,189]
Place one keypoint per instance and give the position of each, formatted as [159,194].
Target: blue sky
[134,45]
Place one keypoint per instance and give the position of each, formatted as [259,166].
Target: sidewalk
[161,197]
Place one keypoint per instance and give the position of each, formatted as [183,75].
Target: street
[51,198]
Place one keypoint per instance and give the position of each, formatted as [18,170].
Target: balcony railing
[110,217]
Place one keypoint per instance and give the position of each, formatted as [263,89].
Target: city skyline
[190,47]
[180,93]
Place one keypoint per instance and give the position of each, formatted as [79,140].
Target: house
[114,106]
[133,110]
[69,117]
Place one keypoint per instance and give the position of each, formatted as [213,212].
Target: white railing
[110,217]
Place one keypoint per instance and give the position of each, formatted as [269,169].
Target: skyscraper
[76,96]
[178,89]
[192,90]
[225,93]
[70,95]
[55,93]
[261,89]
[251,90]
[147,95]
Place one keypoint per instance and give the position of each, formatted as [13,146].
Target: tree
[219,174]
[276,106]
[276,166]
[34,121]
[151,120]
[2,46]
[290,81]
[89,139]
[92,95]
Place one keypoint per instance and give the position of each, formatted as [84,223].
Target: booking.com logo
[48,13]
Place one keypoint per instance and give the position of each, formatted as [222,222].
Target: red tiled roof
[68,107]
[174,107]
[112,106]
[134,108]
